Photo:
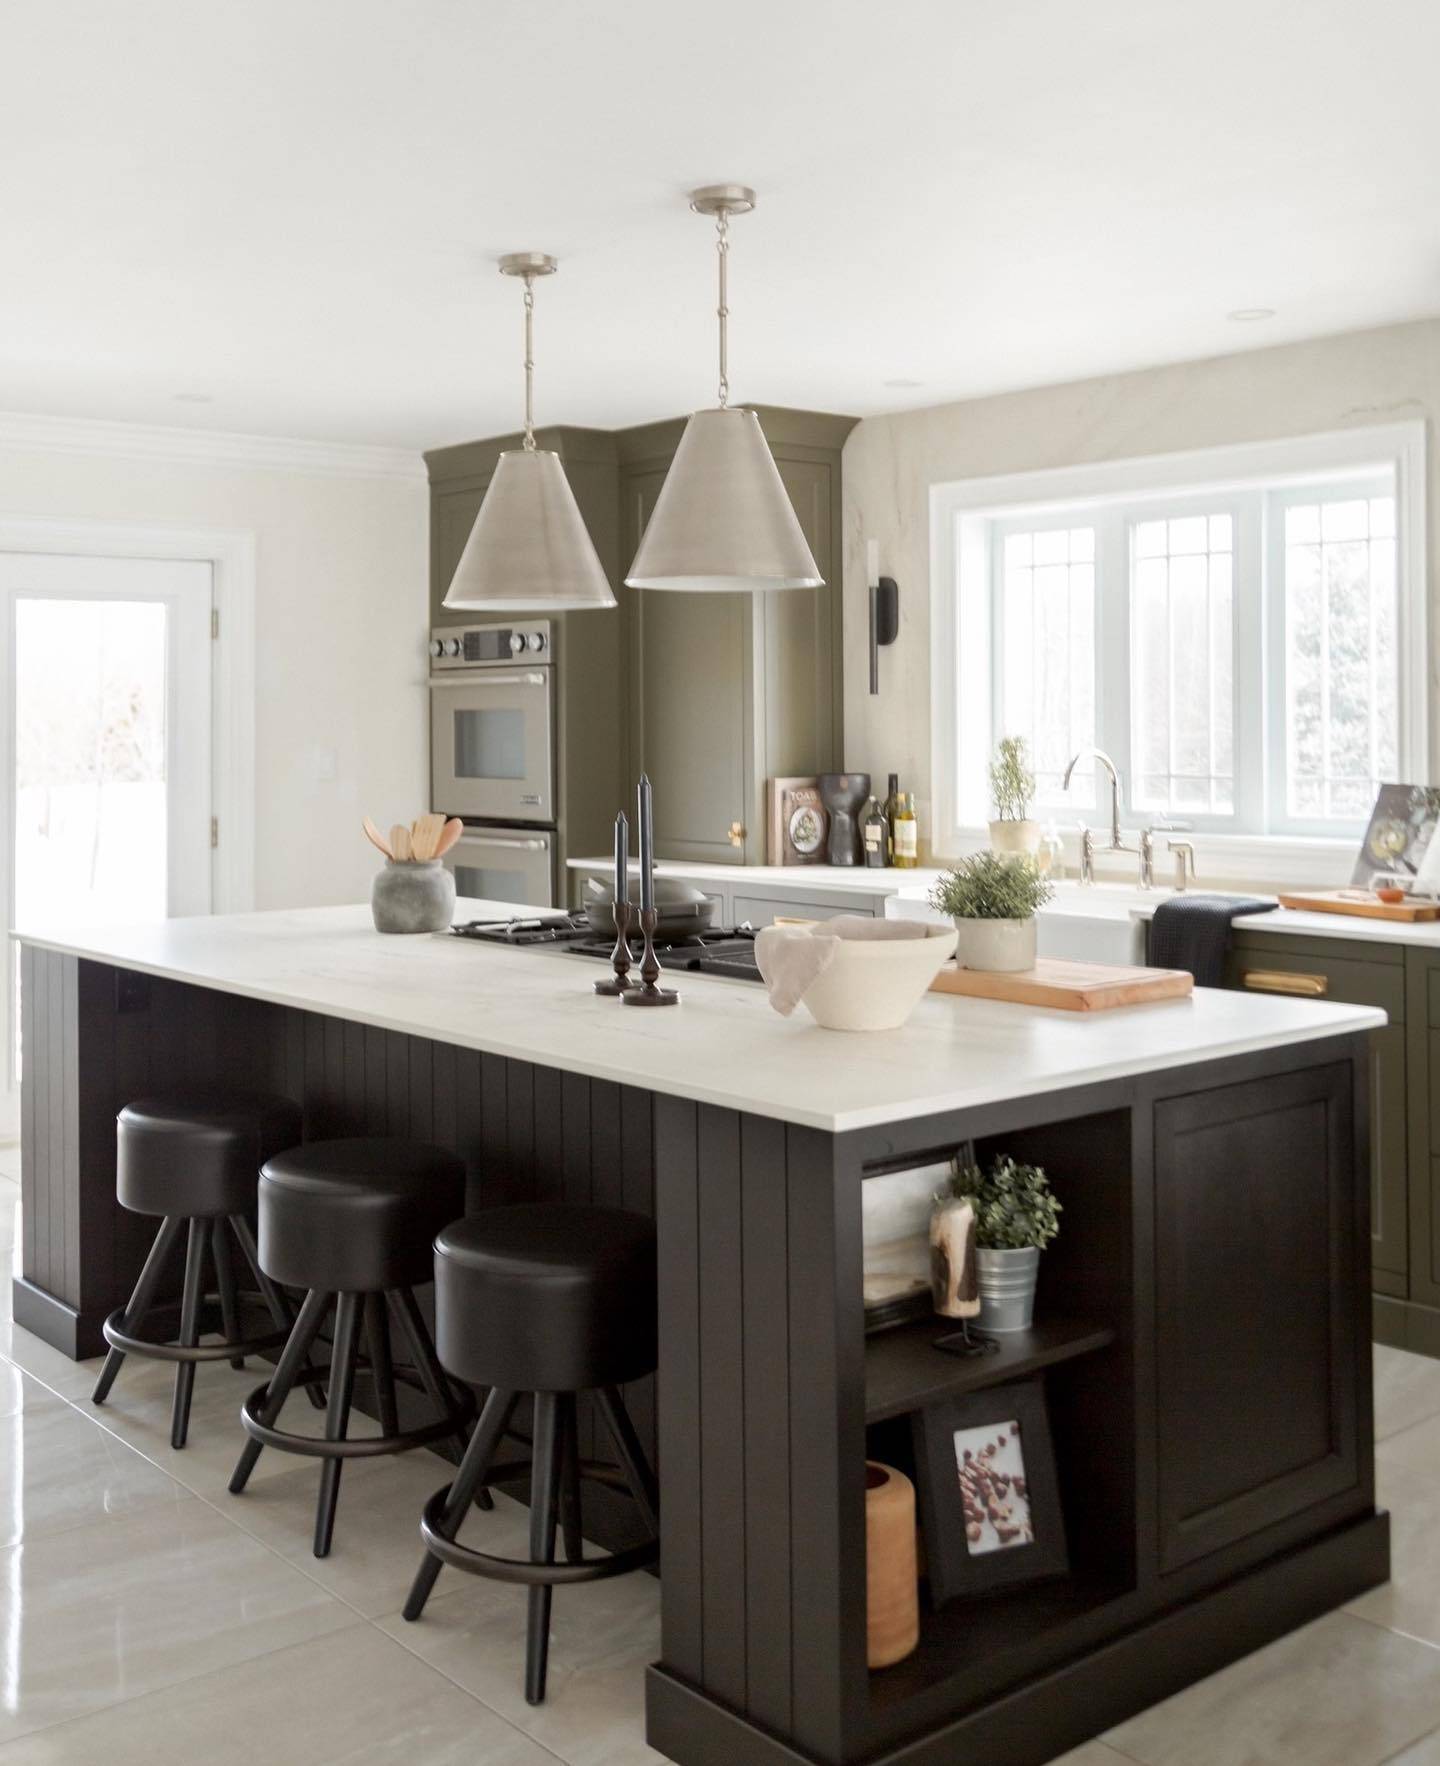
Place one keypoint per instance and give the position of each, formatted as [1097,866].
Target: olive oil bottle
[907,832]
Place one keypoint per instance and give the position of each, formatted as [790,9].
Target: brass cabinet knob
[737,833]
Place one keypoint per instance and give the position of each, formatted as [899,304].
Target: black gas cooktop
[716,951]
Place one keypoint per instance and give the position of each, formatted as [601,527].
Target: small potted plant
[1016,1216]
[1012,785]
[992,900]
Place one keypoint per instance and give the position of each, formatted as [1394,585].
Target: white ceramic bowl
[876,983]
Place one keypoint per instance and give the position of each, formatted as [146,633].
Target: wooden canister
[892,1592]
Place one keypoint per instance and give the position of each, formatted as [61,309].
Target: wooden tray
[1361,903]
[1068,987]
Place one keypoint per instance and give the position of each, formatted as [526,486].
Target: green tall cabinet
[710,694]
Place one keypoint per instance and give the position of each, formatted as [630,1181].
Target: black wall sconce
[884,610]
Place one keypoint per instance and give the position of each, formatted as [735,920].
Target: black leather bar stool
[352,1222]
[194,1158]
[552,1301]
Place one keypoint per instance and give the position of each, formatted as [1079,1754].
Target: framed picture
[1400,841]
[989,1497]
[895,1210]
[799,823]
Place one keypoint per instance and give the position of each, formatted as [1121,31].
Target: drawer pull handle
[1283,981]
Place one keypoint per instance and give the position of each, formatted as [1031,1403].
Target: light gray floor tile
[377,1545]
[60,1470]
[603,1635]
[1425,1752]
[1339,1692]
[1416,1448]
[354,1697]
[130,1604]
[1092,1753]
[1407,1390]
[18,1392]
[1410,1601]
[71,1379]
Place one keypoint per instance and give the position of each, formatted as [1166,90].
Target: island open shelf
[905,1371]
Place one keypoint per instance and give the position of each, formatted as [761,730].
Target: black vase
[844,796]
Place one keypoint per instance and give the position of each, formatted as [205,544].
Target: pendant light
[723,520]
[529,550]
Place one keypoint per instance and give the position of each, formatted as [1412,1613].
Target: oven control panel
[491,646]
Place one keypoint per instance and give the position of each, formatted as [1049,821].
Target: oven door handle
[487,840]
[495,680]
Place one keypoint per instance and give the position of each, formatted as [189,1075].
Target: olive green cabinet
[729,690]
[1404,981]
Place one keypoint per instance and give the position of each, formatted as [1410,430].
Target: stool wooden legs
[337,1414]
[287,1369]
[494,1421]
[189,1329]
[140,1301]
[548,1445]
[382,1371]
[631,1455]
[571,1520]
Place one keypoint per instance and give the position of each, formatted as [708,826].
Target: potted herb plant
[992,900]
[1016,1216]
[1012,786]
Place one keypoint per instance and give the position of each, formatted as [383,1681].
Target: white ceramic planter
[1003,945]
[1012,838]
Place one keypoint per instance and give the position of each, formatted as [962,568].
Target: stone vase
[413,895]
[1004,946]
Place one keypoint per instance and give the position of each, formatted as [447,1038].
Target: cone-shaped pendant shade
[529,550]
[723,520]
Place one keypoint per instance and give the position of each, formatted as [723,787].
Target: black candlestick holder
[620,956]
[648,994]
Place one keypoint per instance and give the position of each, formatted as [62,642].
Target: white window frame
[962,522]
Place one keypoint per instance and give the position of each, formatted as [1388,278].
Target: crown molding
[205,447]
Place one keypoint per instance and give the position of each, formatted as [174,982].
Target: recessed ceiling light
[194,398]
[1249,315]
[901,381]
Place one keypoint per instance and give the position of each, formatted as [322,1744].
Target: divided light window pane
[1182,613]
[1046,686]
[1342,709]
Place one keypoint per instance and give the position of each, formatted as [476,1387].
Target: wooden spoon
[424,834]
[400,843]
[375,837]
[451,832]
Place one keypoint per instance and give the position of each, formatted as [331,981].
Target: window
[1239,642]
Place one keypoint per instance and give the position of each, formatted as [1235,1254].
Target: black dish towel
[1193,932]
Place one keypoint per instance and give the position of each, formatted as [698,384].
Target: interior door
[105,762]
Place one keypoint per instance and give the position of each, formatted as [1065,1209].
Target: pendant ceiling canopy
[723,520]
[529,550]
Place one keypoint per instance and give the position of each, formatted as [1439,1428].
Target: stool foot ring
[128,1343]
[523,1570]
[361,1447]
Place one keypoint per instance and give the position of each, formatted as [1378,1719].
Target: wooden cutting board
[1361,903]
[1068,987]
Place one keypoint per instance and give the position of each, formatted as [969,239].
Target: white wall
[340,616]
[1361,378]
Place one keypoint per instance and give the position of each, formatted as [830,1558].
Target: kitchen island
[1203,1318]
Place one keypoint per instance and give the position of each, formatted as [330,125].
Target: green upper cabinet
[729,690]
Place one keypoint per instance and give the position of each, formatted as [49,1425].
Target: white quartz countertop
[1294,920]
[803,879]
[722,1045]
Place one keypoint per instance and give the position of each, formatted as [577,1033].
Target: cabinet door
[765,910]
[691,705]
[1423,995]
[453,508]
[1259,1335]
[802,640]
[1261,963]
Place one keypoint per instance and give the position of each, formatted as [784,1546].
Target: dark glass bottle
[892,803]
[876,834]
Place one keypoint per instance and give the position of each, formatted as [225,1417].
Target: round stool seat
[196,1153]
[546,1298]
[356,1216]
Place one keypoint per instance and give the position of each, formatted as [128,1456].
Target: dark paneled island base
[1202,1333]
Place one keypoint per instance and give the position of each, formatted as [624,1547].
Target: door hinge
[214,831]
[214,622]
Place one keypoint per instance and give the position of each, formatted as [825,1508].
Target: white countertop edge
[1329,1020]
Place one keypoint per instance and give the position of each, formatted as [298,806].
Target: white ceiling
[291,207]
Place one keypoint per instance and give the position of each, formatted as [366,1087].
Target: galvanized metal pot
[414,895]
[1007,1288]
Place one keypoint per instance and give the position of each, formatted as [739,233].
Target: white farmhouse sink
[1097,923]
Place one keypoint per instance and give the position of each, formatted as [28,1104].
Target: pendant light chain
[722,249]
[530,364]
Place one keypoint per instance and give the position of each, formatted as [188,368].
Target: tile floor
[148,1616]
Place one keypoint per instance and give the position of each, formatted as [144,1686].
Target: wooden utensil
[400,843]
[375,837]
[424,834]
[449,834]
